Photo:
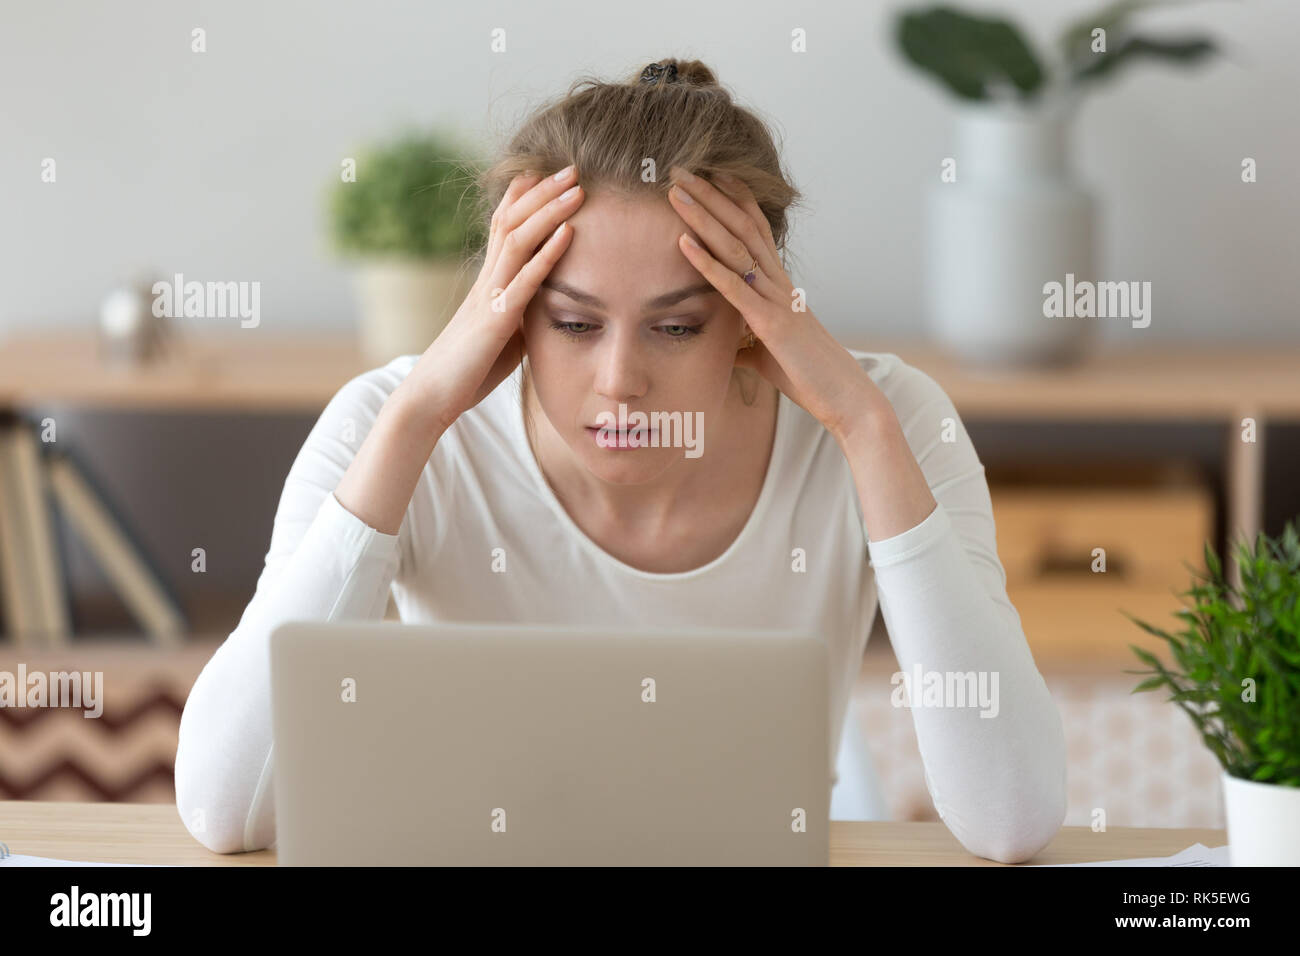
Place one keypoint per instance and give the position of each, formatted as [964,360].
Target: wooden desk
[153,833]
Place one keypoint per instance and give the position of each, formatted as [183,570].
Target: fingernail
[683,195]
[683,175]
[692,243]
[564,174]
[568,193]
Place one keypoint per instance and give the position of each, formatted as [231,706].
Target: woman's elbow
[212,806]
[209,817]
[1029,837]
[1040,811]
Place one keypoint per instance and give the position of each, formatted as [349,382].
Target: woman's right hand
[483,342]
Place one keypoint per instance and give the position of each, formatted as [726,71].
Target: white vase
[1263,822]
[1013,220]
[405,303]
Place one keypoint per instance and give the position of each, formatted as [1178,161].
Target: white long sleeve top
[998,784]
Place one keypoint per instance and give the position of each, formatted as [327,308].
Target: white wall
[214,164]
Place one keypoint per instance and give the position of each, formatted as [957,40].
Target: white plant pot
[1263,822]
[405,303]
[1013,220]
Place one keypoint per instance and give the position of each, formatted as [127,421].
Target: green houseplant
[405,212]
[1236,673]
[1007,214]
[987,58]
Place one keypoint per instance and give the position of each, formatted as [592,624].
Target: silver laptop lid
[506,744]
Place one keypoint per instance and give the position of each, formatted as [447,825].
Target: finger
[737,221]
[528,279]
[496,230]
[522,241]
[725,247]
[741,195]
[541,193]
[733,288]
[533,194]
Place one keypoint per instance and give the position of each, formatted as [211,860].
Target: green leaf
[1145,626]
[1212,561]
[1076,40]
[1145,656]
[972,56]
[1185,51]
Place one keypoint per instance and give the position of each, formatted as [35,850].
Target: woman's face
[596,337]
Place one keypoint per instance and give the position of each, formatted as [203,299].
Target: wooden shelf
[1213,381]
[252,371]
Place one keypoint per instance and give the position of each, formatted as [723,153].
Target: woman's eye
[568,328]
[577,330]
[681,333]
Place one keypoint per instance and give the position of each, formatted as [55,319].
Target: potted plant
[408,217]
[1237,675]
[1007,215]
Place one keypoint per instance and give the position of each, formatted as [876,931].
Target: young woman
[825,482]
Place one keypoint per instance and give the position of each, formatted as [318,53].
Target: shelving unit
[1214,385]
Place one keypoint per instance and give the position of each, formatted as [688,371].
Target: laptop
[478,744]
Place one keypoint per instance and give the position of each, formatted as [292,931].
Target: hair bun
[686,72]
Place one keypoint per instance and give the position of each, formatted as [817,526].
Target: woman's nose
[620,373]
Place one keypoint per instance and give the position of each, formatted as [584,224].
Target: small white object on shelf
[129,331]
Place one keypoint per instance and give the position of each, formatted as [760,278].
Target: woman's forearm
[378,484]
[891,486]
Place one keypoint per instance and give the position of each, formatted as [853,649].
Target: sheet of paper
[1198,854]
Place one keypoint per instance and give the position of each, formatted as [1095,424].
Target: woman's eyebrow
[658,302]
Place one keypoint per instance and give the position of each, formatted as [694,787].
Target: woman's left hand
[793,350]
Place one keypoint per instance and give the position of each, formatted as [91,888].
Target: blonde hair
[674,115]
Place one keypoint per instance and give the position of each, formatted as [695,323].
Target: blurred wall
[214,165]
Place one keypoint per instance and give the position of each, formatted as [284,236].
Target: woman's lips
[613,438]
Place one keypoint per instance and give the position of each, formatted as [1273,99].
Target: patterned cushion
[1136,756]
